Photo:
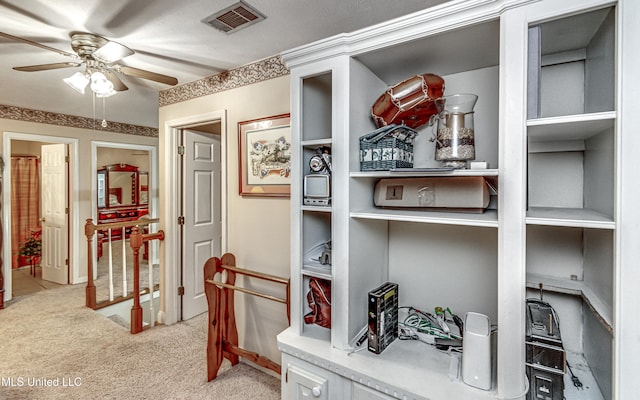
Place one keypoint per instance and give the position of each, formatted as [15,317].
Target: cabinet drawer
[108,215]
[361,392]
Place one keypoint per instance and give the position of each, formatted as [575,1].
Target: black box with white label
[382,317]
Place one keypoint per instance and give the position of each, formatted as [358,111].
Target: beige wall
[258,228]
[84,207]
[22,148]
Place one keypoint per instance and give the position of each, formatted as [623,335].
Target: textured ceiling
[168,37]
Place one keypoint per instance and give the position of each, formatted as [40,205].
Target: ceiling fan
[99,55]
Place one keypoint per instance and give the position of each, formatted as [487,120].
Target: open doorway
[179,286]
[51,216]
[124,182]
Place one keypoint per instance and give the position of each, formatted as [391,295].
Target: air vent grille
[234,17]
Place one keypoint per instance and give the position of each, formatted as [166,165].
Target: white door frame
[169,212]
[153,184]
[74,220]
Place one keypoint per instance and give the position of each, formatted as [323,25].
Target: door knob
[43,220]
[316,391]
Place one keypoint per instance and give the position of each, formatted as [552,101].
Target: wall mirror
[119,186]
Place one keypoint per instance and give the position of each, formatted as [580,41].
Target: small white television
[317,189]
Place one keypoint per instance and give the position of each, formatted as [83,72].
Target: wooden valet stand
[223,335]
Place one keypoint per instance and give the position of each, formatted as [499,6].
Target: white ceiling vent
[234,17]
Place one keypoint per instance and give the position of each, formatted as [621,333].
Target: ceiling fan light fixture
[77,82]
[106,94]
[100,84]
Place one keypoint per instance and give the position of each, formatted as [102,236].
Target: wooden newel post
[90,291]
[136,311]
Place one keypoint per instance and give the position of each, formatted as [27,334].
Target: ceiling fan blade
[118,85]
[36,44]
[141,73]
[45,67]
[112,52]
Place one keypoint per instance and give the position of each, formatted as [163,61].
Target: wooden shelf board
[417,173]
[569,127]
[316,208]
[316,142]
[316,333]
[580,367]
[487,219]
[569,217]
[316,272]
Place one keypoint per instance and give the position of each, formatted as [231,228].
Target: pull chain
[104,113]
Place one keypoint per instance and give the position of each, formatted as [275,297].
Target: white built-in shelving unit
[549,123]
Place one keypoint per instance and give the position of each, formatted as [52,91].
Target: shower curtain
[25,204]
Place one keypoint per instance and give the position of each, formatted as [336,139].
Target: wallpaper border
[258,71]
[45,117]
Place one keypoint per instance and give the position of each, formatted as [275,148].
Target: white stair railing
[107,237]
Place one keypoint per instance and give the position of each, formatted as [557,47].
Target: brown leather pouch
[319,299]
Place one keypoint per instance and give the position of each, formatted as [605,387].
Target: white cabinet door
[302,384]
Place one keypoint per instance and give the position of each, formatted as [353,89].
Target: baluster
[136,309]
[124,263]
[90,290]
[111,288]
[150,267]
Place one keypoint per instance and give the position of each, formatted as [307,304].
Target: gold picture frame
[264,147]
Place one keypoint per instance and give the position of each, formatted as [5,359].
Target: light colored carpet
[51,335]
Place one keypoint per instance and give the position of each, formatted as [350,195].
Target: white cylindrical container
[476,351]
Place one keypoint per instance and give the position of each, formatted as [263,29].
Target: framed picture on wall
[265,156]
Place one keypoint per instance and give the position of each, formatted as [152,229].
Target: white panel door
[55,223]
[202,215]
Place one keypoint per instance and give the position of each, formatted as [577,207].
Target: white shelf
[311,265]
[418,173]
[575,288]
[569,217]
[326,209]
[314,268]
[308,270]
[581,369]
[569,127]
[414,368]
[317,333]
[487,219]
[316,142]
